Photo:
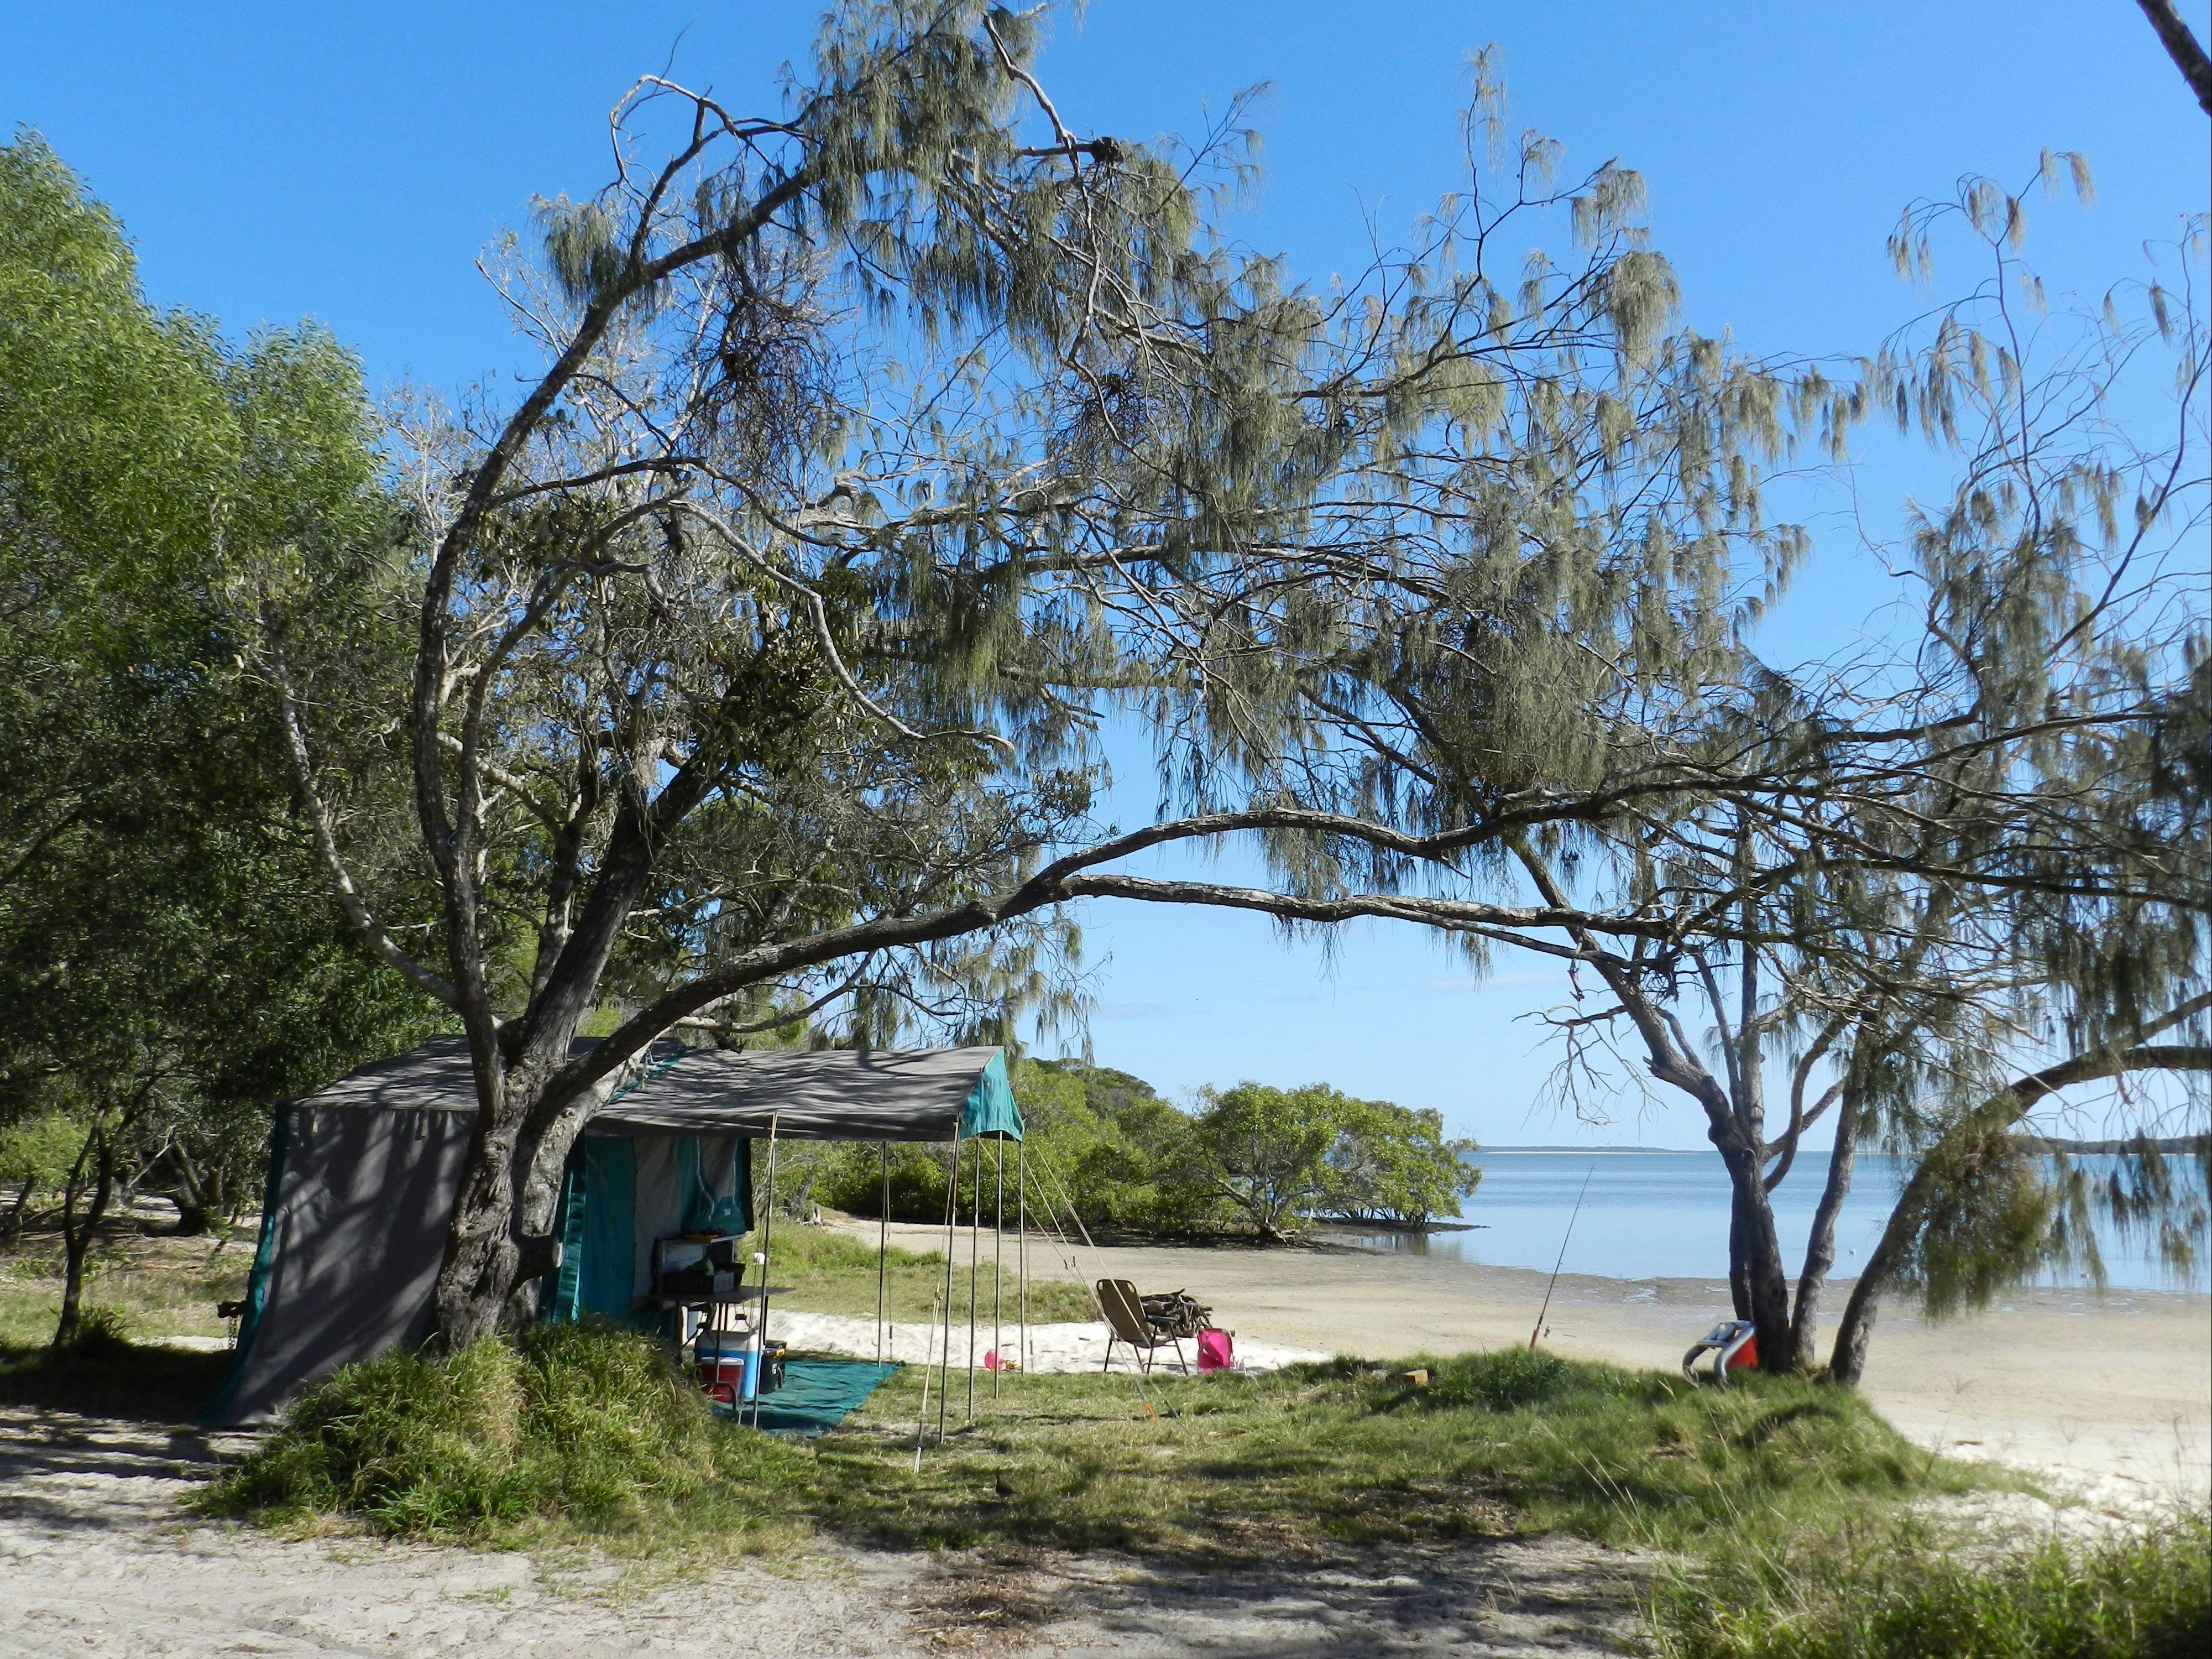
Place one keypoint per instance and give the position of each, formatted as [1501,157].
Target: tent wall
[355,1227]
[350,1244]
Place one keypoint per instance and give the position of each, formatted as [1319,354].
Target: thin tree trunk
[1821,1247]
[1739,1271]
[14,1223]
[1847,1360]
[191,1197]
[1854,1331]
[77,1235]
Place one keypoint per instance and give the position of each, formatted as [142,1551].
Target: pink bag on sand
[1216,1351]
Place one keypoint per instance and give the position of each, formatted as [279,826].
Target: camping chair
[1126,1322]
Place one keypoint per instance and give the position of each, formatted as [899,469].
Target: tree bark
[1820,1246]
[1755,1252]
[78,1233]
[2182,46]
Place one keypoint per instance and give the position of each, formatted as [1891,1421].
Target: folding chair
[1126,1322]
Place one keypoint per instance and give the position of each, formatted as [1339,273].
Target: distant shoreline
[2168,1144]
[1595,1151]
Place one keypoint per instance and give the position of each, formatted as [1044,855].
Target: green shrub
[2143,1595]
[1504,1381]
[596,1427]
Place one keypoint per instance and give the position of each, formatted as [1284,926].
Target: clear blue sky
[348,163]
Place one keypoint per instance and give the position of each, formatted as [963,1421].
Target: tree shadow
[104,1376]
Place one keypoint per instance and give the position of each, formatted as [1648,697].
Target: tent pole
[921,1419]
[1022,1231]
[952,1219]
[768,1257]
[883,1247]
[998,1269]
[975,1246]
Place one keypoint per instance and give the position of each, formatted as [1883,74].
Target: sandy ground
[97,1556]
[2110,1396]
[1052,1349]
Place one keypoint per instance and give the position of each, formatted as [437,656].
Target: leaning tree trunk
[1820,1246]
[78,1232]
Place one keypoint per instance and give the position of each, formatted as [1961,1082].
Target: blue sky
[348,163]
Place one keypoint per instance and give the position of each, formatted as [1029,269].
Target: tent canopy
[806,1094]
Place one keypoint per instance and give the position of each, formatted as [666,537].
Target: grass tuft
[1913,1594]
[581,1430]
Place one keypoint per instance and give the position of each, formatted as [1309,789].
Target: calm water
[1665,1215]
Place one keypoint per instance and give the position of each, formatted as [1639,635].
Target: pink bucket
[1216,1352]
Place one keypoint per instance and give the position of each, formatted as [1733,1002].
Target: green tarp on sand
[817,1395]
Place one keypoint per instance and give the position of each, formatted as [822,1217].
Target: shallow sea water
[1665,1215]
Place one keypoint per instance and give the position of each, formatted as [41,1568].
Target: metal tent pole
[767,1258]
[883,1247]
[1022,1228]
[998,1268]
[975,1248]
[952,1219]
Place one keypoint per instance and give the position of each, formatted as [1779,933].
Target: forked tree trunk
[501,1238]
[1757,1276]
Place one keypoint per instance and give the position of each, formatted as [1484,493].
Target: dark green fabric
[257,1283]
[817,1395]
[704,1210]
[565,1303]
[607,1276]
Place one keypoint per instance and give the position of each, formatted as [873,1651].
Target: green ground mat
[817,1395]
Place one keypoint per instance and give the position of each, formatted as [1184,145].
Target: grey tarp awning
[808,1094]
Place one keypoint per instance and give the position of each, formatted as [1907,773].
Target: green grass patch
[1352,1453]
[1912,1593]
[163,1286]
[831,1272]
[594,1432]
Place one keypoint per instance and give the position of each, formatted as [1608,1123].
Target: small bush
[595,1427]
[1504,1381]
[2148,1595]
[101,1332]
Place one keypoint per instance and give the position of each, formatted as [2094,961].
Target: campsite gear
[1175,1313]
[1538,1329]
[1734,1344]
[742,1374]
[815,1395]
[363,1175]
[1217,1349]
[1126,1322]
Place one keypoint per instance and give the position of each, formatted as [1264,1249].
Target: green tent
[362,1176]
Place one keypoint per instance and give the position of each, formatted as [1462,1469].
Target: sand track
[99,1556]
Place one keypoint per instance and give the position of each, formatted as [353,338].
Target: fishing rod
[1571,1216]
